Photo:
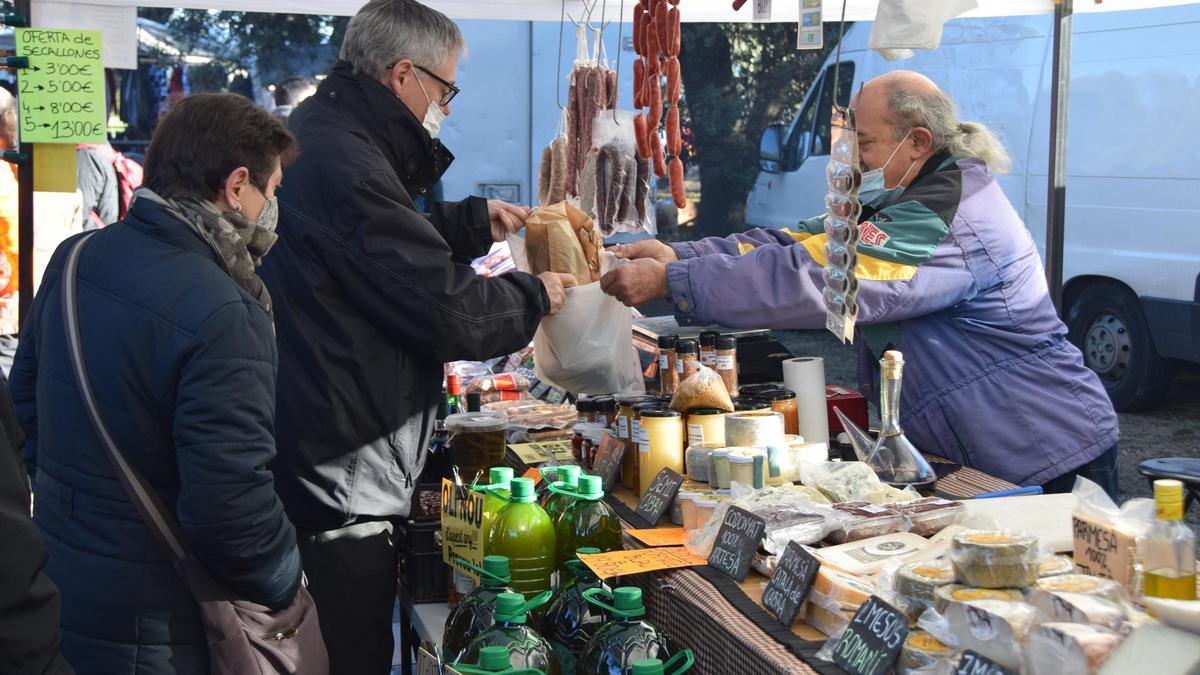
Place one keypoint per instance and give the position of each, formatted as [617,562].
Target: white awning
[691,10]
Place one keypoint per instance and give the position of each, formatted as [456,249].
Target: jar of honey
[662,445]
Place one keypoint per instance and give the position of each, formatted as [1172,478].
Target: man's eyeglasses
[451,90]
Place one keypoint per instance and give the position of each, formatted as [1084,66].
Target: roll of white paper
[806,377]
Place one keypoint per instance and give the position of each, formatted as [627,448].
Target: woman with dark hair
[177,335]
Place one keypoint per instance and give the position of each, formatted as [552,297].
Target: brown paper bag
[561,238]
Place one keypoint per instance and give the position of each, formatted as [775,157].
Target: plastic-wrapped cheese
[824,615]
[1058,648]
[1082,583]
[1056,565]
[1182,614]
[1062,606]
[994,628]
[847,590]
[995,558]
[945,595]
[919,580]
[922,650]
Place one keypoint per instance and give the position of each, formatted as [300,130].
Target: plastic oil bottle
[680,663]
[626,638]
[1167,551]
[473,615]
[566,476]
[569,621]
[588,523]
[523,533]
[494,661]
[526,647]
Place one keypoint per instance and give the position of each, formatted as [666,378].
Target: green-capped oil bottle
[526,647]
[569,621]
[680,663]
[496,495]
[588,523]
[473,615]
[566,476]
[523,533]
[494,661]
[625,639]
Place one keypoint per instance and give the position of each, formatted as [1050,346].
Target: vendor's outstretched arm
[908,266]
[742,242]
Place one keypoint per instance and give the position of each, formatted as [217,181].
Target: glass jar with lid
[662,445]
[477,442]
[783,401]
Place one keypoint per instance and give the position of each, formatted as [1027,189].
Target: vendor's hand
[506,218]
[556,287]
[636,282]
[646,248]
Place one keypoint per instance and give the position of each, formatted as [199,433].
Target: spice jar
[706,425]
[585,408]
[708,348]
[668,376]
[687,358]
[719,477]
[727,362]
[784,401]
[661,445]
[606,411]
[750,404]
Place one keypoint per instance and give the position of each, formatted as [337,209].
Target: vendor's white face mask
[873,191]
[433,114]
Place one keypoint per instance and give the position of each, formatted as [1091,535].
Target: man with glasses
[371,298]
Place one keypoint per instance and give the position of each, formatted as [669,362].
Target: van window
[802,128]
[820,138]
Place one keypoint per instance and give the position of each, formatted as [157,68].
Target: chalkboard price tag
[873,639]
[608,459]
[788,587]
[740,534]
[659,496]
[971,663]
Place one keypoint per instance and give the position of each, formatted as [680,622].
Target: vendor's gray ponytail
[935,111]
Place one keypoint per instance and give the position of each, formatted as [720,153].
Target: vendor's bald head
[905,113]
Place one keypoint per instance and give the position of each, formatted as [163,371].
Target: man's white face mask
[433,114]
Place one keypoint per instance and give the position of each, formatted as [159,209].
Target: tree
[737,79]
[271,41]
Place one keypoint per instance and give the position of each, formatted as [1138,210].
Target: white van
[1132,259]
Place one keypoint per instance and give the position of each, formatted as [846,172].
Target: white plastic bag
[903,25]
[588,346]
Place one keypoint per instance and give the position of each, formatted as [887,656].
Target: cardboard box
[1104,549]
[851,403]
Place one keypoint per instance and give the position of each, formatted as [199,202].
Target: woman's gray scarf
[239,243]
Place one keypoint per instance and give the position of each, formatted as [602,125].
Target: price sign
[971,663]
[740,534]
[873,639]
[61,93]
[762,10]
[659,495]
[608,459]
[788,587]
[662,536]
[462,526]
[624,563]
[536,453]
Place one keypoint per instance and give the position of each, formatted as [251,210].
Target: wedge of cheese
[1058,648]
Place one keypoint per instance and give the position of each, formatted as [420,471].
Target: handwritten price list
[61,93]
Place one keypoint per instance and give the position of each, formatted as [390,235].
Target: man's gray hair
[8,120]
[386,31]
[935,111]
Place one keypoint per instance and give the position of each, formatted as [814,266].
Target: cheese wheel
[922,650]
[1057,648]
[845,589]
[1078,608]
[919,580]
[995,558]
[1052,567]
[1082,583]
[944,596]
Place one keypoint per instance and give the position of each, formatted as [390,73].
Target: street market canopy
[696,10]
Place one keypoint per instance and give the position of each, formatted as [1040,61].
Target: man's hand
[646,248]
[636,282]
[506,218]
[556,287]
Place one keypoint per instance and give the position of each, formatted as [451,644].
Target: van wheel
[1107,324]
